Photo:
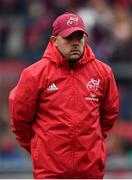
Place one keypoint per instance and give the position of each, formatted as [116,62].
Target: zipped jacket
[62,115]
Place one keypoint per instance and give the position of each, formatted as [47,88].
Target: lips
[75,51]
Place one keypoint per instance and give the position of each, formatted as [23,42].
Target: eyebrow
[75,35]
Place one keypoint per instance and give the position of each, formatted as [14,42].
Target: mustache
[75,48]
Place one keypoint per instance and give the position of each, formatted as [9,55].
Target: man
[64,105]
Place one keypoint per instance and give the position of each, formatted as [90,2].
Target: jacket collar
[52,54]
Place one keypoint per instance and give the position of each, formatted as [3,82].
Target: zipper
[72,71]
[73,151]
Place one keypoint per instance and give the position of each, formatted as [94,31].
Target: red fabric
[68,23]
[62,116]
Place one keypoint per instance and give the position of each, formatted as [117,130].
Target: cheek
[82,46]
[63,49]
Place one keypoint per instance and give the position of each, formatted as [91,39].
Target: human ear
[54,39]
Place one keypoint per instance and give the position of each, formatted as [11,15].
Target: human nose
[75,41]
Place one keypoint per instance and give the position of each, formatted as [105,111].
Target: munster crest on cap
[73,21]
[68,23]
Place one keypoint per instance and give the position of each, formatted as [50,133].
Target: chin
[75,57]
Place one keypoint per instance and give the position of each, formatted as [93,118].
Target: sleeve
[22,104]
[109,105]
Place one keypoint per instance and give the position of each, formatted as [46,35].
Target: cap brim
[71,30]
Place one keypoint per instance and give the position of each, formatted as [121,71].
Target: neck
[72,63]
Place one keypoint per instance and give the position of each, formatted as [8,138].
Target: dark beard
[72,63]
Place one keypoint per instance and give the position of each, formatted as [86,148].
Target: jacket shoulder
[37,68]
[103,67]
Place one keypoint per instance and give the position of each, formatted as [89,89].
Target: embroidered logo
[72,21]
[52,87]
[92,98]
[93,84]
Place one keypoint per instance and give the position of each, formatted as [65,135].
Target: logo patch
[92,98]
[93,85]
[52,87]
[72,21]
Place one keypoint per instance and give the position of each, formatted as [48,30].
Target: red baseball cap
[67,23]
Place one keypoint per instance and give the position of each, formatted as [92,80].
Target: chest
[73,86]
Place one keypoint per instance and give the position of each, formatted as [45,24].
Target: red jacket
[61,116]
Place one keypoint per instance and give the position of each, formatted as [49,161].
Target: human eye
[69,38]
[80,36]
